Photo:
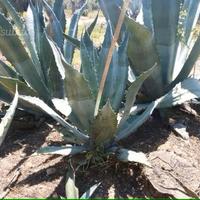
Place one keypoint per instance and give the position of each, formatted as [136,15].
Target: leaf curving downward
[9,85]
[126,155]
[62,105]
[63,151]
[132,124]
[36,102]
[185,91]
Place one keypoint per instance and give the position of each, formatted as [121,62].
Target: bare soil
[27,176]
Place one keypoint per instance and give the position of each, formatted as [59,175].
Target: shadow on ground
[117,180]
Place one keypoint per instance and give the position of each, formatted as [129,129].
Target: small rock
[50,171]
[23,155]
[180,129]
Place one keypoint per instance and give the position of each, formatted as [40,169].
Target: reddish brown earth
[44,176]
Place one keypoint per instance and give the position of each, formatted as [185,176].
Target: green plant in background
[167,37]
[28,44]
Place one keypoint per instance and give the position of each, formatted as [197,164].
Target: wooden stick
[13,180]
[110,53]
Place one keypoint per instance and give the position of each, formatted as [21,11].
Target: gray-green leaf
[104,126]
[70,188]
[144,56]
[63,151]
[17,55]
[6,121]
[9,85]
[90,192]
[126,155]
[133,91]
[44,107]
[62,105]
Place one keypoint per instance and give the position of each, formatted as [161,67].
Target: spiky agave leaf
[144,56]
[23,32]
[133,91]
[161,41]
[133,123]
[118,72]
[29,20]
[73,30]
[68,150]
[7,71]
[80,98]
[59,11]
[45,108]
[92,25]
[70,188]
[89,62]
[17,55]
[76,42]
[126,155]
[104,126]
[93,62]
[54,72]
[77,91]
[54,28]
[90,192]
[6,121]
[9,85]
[34,22]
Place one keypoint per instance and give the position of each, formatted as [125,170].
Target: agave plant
[46,80]
[52,83]
[167,35]
[26,44]
[39,64]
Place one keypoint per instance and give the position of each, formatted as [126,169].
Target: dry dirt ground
[27,176]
